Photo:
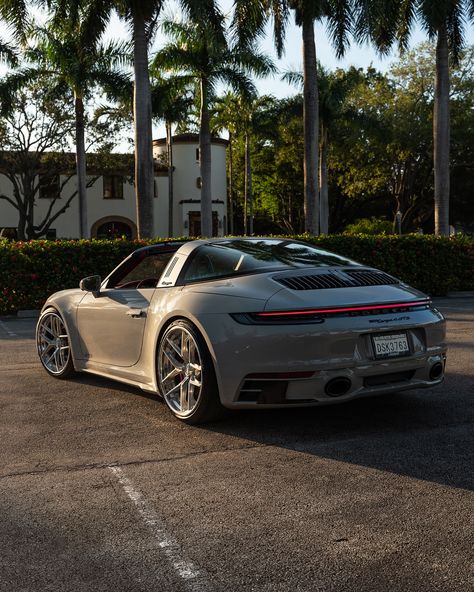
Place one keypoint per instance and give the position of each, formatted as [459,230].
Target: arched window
[114,227]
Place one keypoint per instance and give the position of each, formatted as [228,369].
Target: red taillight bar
[343,309]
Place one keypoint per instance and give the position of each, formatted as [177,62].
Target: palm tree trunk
[205,156]
[231,187]
[311,128]
[441,135]
[248,185]
[169,147]
[323,182]
[245,195]
[144,172]
[81,165]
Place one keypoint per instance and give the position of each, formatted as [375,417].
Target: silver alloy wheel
[52,342]
[180,370]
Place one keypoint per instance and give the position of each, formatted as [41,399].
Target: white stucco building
[111,200]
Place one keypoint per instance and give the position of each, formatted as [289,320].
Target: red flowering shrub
[30,271]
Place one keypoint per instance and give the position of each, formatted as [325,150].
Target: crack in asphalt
[106,465]
[295,446]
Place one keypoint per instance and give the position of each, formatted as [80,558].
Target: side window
[146,273]
[209,263]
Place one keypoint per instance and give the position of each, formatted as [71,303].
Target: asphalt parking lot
[101,489]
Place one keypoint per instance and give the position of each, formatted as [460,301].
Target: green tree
[338,15]
[381,159]
[276,156]
[35,138]
[443,21]
[205,58]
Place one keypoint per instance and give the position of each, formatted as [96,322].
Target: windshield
[240,257]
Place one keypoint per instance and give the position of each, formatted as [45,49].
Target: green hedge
[30,271]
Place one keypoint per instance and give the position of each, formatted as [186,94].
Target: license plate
[391,346]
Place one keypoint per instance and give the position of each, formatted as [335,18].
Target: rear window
[251,256]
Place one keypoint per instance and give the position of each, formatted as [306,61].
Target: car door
[111,324]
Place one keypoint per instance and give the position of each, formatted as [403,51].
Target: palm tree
[206,59]
[249,20]
[171,101]
[444,21]
[69,49]
[142,16]
[338,15]
[15,15]
[226,116]
[333,90]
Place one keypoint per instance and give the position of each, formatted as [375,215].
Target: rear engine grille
[386,379]
[367,277]
[315,282]
[343,279]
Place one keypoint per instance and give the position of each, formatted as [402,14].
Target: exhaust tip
[337,387]
[436,371]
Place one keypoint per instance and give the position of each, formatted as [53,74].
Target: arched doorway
[114,227]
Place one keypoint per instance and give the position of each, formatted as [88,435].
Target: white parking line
[193,578]
[7,330]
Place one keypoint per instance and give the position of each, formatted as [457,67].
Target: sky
[359,56]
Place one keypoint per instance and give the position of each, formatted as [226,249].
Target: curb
[460,294]
[28,314]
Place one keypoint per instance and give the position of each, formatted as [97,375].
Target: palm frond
[339,15]
[8,54]
[294,78]
[15,14]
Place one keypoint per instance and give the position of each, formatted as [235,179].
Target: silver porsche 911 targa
[245,323]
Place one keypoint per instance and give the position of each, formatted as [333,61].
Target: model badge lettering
[395,320]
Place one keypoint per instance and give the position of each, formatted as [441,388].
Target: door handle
[136,313]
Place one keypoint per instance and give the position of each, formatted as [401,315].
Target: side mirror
[91,284]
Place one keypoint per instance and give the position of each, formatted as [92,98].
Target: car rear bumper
[328,387]
[277,366]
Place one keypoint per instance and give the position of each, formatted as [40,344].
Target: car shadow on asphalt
[421,434]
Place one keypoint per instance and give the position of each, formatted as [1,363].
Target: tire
[53,344]
[186,377]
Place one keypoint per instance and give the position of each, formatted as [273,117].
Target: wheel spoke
[180,370]
[173,361]
[184,395]
[176,388]
[47,361]
[175,372]
[174,347]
